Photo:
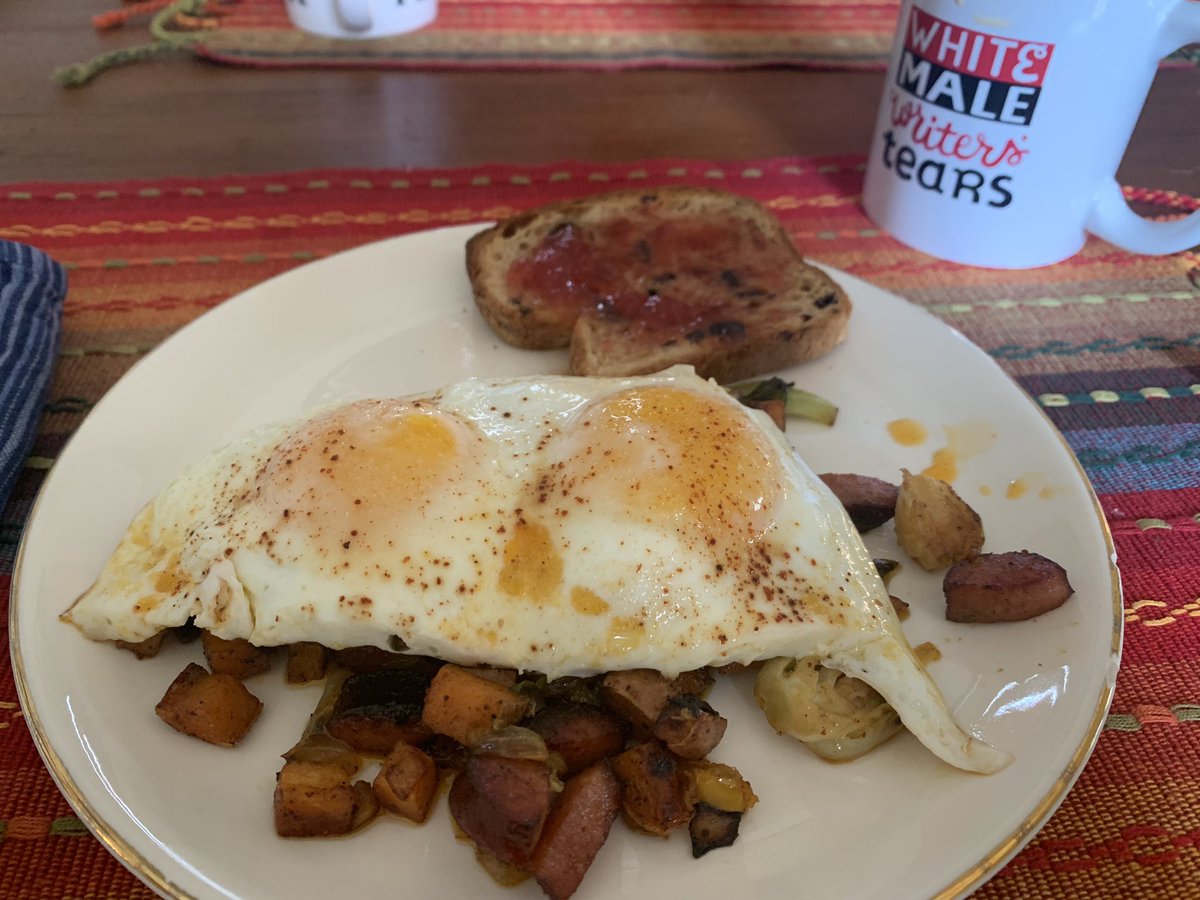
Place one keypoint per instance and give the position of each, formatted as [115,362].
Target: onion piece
[514,742]
[836,716]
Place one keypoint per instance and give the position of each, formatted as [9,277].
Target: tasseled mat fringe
[177,24]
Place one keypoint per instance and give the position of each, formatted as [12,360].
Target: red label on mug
[976,53]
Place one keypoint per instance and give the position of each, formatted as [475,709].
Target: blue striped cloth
[32,288]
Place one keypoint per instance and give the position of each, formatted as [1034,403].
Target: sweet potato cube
[212,707]
[580,733]
[237,657]
[501,804]
[144,649]
[313,799]
[306,662]
[655,795]
[407,782]
[466,707]
[690,727]
[577,828]
[498,674]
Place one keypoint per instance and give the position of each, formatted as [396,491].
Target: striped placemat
[1108,344]
[524,34]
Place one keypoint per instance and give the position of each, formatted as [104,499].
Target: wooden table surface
[184,117]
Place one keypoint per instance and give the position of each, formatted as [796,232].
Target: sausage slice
[1004,587]
[869,501]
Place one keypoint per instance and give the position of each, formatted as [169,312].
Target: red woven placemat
[524,34]
[573,33]
[1107,342]
[527,34]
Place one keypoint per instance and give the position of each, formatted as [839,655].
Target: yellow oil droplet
[165,583]
[625,634]
[907,432]
[139,530]
[588,603]
[532,568]
[1030,484]
[927,653]
[963,440]
[944,465]
[148,603]
[986,490]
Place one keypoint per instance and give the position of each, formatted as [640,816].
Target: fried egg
[562,525]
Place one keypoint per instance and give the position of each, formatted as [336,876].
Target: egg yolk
[354,479]
[671,458]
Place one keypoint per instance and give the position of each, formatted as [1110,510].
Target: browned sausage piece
[1004,587]
[869,501]
[690,727]
[576,830]
[502,804]
[640,695]
[580,733]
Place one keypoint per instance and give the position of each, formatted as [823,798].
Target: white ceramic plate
[396,318]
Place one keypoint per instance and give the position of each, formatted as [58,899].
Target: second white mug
[361,18]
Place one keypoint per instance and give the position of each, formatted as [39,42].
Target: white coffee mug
[361,18]
[1003,123]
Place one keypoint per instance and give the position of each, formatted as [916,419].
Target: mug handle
[355,14]
[1110,216]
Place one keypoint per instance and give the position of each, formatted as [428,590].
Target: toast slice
[635,281]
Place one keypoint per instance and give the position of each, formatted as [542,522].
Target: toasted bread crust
[516,321]
[755,334]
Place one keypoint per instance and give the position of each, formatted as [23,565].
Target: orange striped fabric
[571,34]
[528,34]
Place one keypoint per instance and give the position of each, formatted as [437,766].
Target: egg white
[561,525]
